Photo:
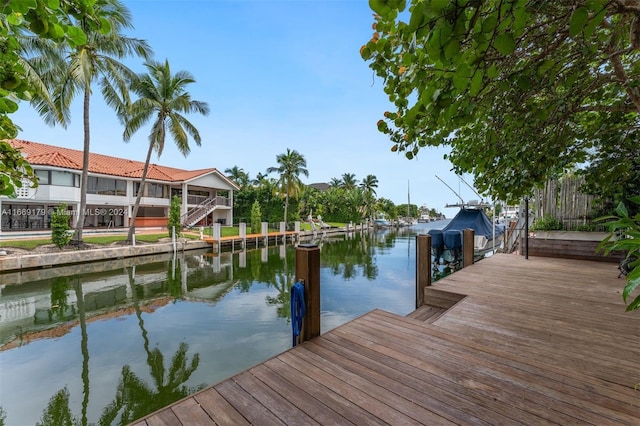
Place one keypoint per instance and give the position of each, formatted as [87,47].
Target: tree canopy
[52,20]
[519,89]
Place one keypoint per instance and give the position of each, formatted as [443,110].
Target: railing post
[308,271]
[423,266]
[467,247]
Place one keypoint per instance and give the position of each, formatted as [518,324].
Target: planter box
[569,249]
[571,235]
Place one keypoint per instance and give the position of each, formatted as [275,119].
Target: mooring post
[423,266]
[467,247]
[308,271]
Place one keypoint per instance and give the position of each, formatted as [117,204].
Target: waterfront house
[112,185]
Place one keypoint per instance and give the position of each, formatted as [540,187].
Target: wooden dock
[510,341]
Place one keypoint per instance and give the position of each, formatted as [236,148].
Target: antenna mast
[457,195]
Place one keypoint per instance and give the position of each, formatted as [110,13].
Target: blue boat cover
[473,219]
[437,239]
[452,239]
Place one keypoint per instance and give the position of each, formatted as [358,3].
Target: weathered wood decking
[538,341]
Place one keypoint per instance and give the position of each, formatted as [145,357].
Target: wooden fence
[562,199]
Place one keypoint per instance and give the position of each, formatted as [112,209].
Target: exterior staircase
[199,212]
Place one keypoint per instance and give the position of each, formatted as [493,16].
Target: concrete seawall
[47,260]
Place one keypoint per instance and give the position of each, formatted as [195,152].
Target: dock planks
[538,341]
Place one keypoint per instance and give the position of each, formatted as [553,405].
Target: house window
[43,176]
[154,190]
[106,186]
[63,178]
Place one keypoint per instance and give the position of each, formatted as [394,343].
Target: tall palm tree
[238,175]
[163,98]
[349,181]
[290,166]
[72,71]
[369,184]
[335,183]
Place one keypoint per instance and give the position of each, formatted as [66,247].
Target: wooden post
[308,271]
[467,247]
[423,266]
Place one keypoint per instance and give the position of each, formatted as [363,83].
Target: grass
[194,234]
[101,240]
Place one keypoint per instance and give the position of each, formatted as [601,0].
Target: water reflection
[90,346]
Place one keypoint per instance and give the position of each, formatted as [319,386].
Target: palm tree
[290,166]
[349,181]
[369,184]
[162,97]
[238,175]
[70,71]
[335,183]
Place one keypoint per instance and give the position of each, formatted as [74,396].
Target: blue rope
[297,309]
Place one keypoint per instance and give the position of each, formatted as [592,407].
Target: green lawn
[101,239]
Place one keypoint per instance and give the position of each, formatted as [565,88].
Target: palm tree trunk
[85,168]
[286,208]
[132,224]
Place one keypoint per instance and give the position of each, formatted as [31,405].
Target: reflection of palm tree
[282,282]
[135,398]
[57,412]
[84,348]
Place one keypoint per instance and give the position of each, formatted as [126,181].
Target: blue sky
[276,74]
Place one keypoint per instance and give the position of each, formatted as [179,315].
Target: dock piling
[308,271]
[423,266]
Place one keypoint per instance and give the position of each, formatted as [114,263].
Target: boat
[446,243]
[381,223]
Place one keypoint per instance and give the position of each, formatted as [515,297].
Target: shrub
[547,223]
[60,235]
[625,236]
[256,217]
[174,215]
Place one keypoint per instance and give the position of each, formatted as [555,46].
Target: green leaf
[438,5]
[105,26]
[476,83]
[544,67]
[489,24]
[76,36]
[505,44]
[632,284]
[493,72]
[621,209]
[417,17]
[23,6]
[452,48]
[594,22]
[634,305]
[53,4]
[595,5]
[578,20]
[380,7]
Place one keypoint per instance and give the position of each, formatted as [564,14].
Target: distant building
[112,186]
[319,186]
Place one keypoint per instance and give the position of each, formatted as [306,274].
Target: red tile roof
[55,156]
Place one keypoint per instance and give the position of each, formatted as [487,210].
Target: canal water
[109,342]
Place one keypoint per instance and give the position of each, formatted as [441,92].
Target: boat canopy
[474,219]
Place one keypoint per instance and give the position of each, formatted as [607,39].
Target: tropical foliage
[71,69]
[60,226]
[51,20]
[174,216]
[291,165]
[163,98]
[519,90]
[625,236]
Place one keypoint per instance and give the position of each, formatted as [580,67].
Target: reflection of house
[111,191]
